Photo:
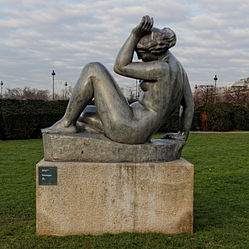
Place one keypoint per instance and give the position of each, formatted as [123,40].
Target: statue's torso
[164,95]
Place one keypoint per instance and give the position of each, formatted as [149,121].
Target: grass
[221,199]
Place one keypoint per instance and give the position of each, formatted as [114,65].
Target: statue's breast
[146,85]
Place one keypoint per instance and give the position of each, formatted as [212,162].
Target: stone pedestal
[85,147]
[95,198]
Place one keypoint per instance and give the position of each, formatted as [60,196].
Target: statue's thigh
[109,100]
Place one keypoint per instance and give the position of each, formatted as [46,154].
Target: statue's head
[154,44]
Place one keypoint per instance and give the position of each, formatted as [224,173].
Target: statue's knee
[94,66]
[95,69]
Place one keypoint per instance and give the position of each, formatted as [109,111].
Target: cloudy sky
[39,36]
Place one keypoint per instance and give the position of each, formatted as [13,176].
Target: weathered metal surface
[84,147]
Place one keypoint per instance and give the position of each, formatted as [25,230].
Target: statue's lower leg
[82,94]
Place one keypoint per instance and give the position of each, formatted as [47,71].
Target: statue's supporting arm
[187,112]
[185,116]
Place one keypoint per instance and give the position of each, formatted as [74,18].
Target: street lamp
[215,79]
[53,74]
[65,90]
[195,94]
[1,89]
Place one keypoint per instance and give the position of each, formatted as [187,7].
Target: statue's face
[147,56]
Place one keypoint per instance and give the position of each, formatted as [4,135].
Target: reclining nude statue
[164,84]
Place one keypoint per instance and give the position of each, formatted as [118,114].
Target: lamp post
[1,89]
[215,79]
[196,97]
[65,95]
[53,74]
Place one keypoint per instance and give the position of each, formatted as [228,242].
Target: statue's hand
[144,27]
[176,136]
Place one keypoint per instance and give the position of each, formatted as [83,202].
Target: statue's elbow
[117,69]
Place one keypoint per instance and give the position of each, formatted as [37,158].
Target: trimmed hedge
[24,119]
[220,117]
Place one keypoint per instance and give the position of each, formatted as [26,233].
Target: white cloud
[39,36]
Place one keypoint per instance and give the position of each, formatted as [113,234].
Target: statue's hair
[157,42]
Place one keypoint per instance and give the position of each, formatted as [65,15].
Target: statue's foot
[60,128]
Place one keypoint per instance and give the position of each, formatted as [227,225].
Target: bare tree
[237,94]
[204,94]
[26,93]
[15,93]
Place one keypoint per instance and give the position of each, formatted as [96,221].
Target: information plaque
[47,175]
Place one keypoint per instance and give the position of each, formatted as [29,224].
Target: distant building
[237,92]
[240,83]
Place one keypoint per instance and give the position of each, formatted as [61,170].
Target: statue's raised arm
[164,86]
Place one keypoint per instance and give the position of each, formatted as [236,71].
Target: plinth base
[95,198]
[85,147]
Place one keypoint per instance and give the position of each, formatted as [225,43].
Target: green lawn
[221,207]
